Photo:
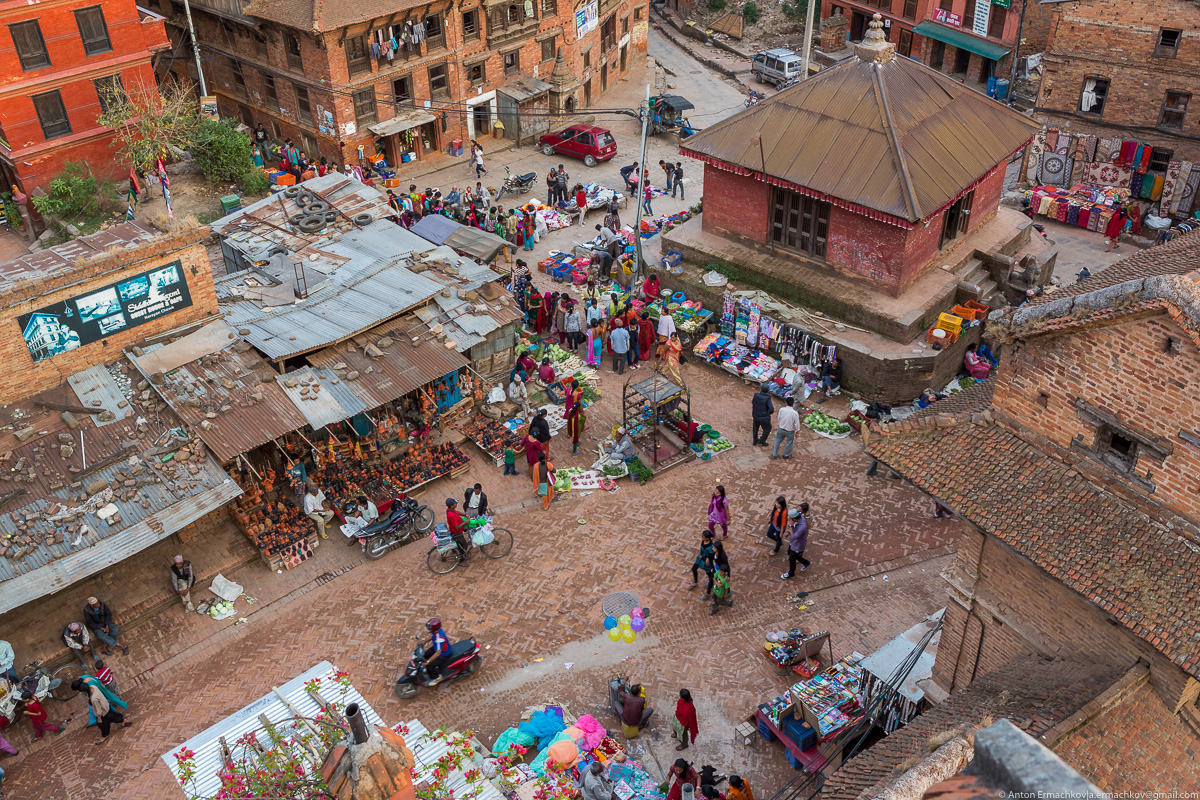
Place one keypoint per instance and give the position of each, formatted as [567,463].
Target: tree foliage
[148,122]
[221,152]
[74,192]
[750,12]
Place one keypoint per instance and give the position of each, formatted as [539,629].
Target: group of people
[294,162]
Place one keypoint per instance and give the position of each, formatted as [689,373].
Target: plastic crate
[285,179]
[231,203]
[671,260]
[968,314]
[795,762]
[950,322]
[765,732]
[456,151]
[980,308]
[950,338]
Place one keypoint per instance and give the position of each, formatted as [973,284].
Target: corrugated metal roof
[96,388]
[322,407]
[47,467]
[64,257]
[426,752]
[225,384]
[897,137]
[402,368]
[207,745]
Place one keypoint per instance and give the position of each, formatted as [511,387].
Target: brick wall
[735,205]
[1115,40]
[326,71]
[71,72]
[1020,609]
[23,377]
[1126,370]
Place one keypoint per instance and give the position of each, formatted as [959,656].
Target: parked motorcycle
[464,660]
[39,684]
[753,98]
[396,525]
[516,184]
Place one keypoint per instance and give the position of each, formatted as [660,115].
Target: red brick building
[972,40]
[324,74]
[57,60]
[872,167]
[1139,63]
[1074,472]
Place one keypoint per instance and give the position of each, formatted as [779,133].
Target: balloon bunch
[627,627]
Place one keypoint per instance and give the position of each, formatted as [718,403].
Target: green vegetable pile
[638,471]
[822,422]
[613,470]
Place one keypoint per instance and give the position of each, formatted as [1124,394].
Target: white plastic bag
[225,589]
[497,395]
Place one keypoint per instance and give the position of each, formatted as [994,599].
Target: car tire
[589,160]
[779,86]
[758,77]
[548,149]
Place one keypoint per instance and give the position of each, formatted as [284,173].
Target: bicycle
[448,551]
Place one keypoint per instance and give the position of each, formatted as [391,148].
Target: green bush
[74,192]
[750,12]
[716,5]
[796,9]
[222,153]
[255,182]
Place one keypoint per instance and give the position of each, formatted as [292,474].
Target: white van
[779,66]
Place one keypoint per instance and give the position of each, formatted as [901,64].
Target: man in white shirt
[788,422]
[314,509]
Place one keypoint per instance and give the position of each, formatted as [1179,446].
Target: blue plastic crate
[795,762]
[765,732]
[456,151]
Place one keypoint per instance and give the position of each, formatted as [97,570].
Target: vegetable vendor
[622,448]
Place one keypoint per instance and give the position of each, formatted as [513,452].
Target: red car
[590,143]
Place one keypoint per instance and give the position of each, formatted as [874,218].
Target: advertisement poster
[945,17]
[91,317]
[587,18]
[208,107]
[640,33]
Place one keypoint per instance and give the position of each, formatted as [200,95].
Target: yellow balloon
[615,634]
[624,622]
[628,636]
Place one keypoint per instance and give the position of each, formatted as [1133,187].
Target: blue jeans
[788,438]
[12,675]
[646,206]
[109,639]
[668,182]
[828,384]
[510,469]
[678,185]
[632,355]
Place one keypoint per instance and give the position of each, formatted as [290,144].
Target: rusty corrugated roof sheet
[898,137]
[50,533]
[402,368]
[249,411]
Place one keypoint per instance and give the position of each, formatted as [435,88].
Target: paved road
[715,96]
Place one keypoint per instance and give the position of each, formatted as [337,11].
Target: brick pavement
[184,674]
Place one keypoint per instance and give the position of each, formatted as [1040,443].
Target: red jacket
[685,712]
[454,520]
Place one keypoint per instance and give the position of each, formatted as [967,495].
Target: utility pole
[1012,78]
[808,26]
[637,223]
[187,8]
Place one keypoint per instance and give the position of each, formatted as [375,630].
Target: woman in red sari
[646,338]
[542,315]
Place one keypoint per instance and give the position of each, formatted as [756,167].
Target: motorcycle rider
[438,653]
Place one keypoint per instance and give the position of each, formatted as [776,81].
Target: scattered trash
[568,665]
[488,647]
[538,660]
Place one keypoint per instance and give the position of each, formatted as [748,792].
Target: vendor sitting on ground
[316,509]
[622,448]
[651,287]
[547,376]
[831,379]
[976,366]
[526,364]
[633,711]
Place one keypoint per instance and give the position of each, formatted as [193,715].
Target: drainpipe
[1012,79]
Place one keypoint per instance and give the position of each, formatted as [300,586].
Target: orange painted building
[56,60]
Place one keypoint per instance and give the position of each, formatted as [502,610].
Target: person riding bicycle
[439,652]
[456,524]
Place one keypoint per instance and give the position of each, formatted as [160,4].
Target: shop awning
[434,228]
[472,241]
[404,120]
[961,39]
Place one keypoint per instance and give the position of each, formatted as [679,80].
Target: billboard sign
[93,316]
[587,18]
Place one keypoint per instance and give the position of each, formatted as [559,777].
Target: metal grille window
[438,85]
[31,47]
[799,221]
[52,114]
[470,22]
[93,31]
[365,112]
[269,90]
[1174,110]
[303,105]
[110,91]
[358,59]
[291,46]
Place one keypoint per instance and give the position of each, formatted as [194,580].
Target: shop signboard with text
[983,16]
[946,18]
[96,315]
[587,18]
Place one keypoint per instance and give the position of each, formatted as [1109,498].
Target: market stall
[809,718]
[1090,207]
[648,411]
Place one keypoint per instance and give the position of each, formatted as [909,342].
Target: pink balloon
[637,624]
[637,612]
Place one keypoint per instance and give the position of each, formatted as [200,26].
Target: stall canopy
[961,40]
[674,102]
[472,241]
[403,121]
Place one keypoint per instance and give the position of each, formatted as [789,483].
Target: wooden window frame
[999,17]
[904,46]
[295,60]
[358,55]
[473,15]
[549,43]
[444,90]
[53,132]
[303,104]
[1167,108]
[799,222]
[549,8]
[1162,50]
[33,60]
[239,80]
[97,46]
[406,79]
[515,67]
[435,42]
[482,77]
[364,116]
[270,90]
[103,85]
[909,11]
[1103,97]
[1160,159]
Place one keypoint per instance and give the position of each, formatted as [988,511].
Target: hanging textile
[1034,156]
[1187,199]
[1185,173]
[1169,180]
[1055,170]
[1100,173]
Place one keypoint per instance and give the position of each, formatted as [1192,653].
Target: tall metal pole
[187,8]
[637,223]
[808,26]
[1012,78]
